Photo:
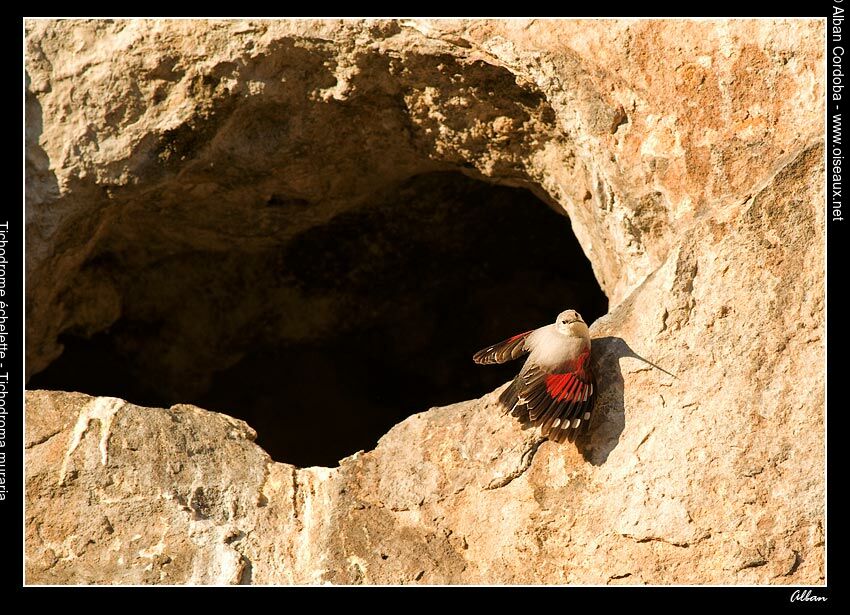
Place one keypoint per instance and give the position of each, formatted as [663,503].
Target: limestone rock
[689,158]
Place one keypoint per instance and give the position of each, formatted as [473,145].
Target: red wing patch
[560,402]
[560,386]
[507,350]
[572,384]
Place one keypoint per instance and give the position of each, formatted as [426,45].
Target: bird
[555,389]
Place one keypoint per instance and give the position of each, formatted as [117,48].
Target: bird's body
[555,389]
[549,347]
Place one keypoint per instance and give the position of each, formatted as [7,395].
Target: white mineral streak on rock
[102,409]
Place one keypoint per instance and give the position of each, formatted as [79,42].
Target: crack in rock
[42,439]
[525,461]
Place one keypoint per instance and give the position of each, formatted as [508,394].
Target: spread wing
[507,350]
[559,401]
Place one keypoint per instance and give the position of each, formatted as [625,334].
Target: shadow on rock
[609,415]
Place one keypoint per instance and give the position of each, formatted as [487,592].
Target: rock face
[689,158]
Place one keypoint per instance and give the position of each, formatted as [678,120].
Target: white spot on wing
[586,416]
[576,423]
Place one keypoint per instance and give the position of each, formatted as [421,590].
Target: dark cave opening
[325,342]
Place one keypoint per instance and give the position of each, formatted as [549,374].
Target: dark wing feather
[507,350]
[559,401]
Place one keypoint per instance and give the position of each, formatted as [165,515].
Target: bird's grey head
[570,322]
